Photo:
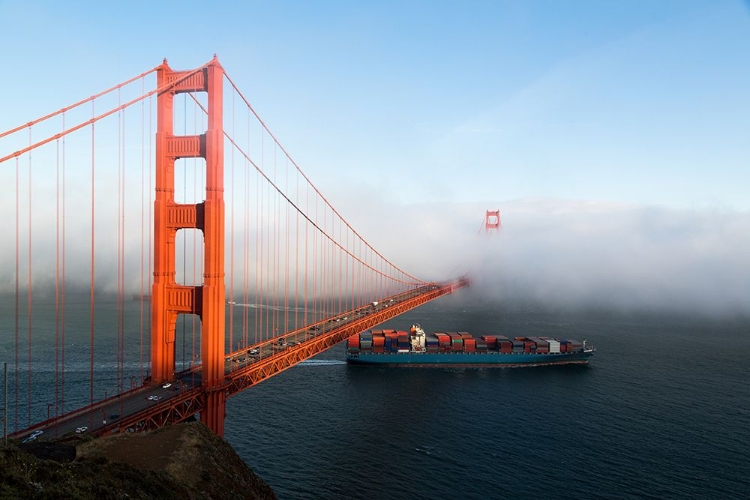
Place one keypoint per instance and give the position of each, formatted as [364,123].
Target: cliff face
[184,461]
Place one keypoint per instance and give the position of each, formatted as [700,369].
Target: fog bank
[578,254]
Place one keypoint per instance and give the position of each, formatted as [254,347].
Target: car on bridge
[81,430]
[166,386]
[153,398]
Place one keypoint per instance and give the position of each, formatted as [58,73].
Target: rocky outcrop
[185,461]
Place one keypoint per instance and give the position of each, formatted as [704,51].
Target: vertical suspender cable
[93,220]
[120,380]
[305,302]
[275,221]
[231,238]
[57,273]
[29,288]
[263,241]
[143,226]
[150,220]
[270,260]
[258,256]
[341,262]
[118,297]
[297,267]
[324,300]
[62,295]
[286,255]
[246,244]
[316,267]
[16,315]
[273,254]
[118,311]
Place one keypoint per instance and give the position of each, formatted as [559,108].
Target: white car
[36,433]
[254,351]
[153,398]
[166,386]
[81,430]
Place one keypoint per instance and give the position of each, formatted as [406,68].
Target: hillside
[184,461]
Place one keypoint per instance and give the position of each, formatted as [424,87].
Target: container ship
[415,348]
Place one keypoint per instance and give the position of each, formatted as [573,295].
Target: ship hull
[491,359]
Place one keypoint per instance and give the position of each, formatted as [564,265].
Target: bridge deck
[154,406]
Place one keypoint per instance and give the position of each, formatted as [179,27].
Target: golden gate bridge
[155,205]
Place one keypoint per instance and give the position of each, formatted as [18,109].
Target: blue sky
[636,109]
[635,102]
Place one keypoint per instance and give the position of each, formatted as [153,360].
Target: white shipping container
[554,346]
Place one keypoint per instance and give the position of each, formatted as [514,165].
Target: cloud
[558,253]
[580,254]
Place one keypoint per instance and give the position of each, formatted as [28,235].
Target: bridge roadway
[153,406]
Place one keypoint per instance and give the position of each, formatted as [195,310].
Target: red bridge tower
[492,221]
[168,298]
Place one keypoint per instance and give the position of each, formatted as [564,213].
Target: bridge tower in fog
[169,298]
[492,222]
